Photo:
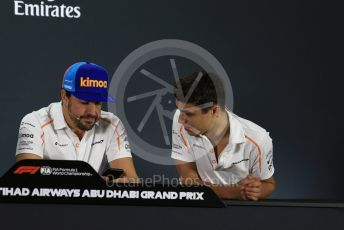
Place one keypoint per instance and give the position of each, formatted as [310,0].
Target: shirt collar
[57,115]
[236,135]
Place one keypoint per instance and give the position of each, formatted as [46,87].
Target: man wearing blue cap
[76,128]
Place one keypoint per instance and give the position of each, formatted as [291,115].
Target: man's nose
[92,109]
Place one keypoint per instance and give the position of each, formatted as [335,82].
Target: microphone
[73,115]
[70,112]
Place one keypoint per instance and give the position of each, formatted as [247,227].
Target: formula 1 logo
[27,169]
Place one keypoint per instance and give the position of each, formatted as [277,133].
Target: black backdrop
[282,58]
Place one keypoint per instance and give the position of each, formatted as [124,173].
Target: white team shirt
[46,134]
[249,151]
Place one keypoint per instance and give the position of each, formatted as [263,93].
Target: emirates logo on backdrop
[48,8]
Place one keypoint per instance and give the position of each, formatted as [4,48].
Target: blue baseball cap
[87,81]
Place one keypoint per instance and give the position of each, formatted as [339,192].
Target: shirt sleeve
[263,165]
[119,144]
[30,136]
[180,146]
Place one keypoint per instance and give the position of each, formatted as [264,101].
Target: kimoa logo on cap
[92,83]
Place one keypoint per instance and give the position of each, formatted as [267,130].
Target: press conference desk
[63,216]
[26,202]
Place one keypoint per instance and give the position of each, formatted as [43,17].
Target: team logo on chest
[97,142]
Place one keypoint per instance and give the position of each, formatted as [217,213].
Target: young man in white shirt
[215,147]
[76,128]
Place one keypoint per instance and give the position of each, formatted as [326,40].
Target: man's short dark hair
[68,94]
[206,88]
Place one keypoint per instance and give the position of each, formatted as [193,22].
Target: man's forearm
[266,189]
[223,191]
[235,191]
[227,191]
[27,156]
[232,191]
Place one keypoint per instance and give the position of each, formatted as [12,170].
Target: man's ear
[63,96]
[216,110]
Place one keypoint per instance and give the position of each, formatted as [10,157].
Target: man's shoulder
[38,117]
[251,129]
[249,125]
[108,119]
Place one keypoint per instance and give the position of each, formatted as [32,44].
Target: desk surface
[315,203]
[273,214]
[61,216]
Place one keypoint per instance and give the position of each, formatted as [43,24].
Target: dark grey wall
[282,58]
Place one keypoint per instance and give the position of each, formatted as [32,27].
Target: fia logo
[46,170]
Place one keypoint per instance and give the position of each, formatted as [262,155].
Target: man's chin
[86,126]
[190,132]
